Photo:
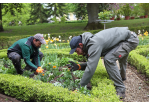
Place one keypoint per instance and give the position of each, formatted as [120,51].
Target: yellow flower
[68,41]
[49,63]
[47,46]
[47,41]
[51,40]
[63,40]
[42,74]
[68,70]
[146,33]
[54,66]
[142,38]
[57,39]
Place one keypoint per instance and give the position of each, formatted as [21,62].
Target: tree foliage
[9,7]
[12,7]
[79,9]
[56,9]
[17,16]
[37,14]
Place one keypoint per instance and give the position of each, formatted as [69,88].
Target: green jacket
[26,49]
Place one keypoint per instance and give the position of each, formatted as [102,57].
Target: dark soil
[6,98]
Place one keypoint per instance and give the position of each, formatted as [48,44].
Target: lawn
[129,23]
[42,28]
[66,27]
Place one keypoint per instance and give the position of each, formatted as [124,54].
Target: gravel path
[136,89]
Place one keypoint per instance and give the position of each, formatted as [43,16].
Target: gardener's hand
[73,66]
[39,70]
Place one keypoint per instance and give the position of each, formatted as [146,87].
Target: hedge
[9,40]
[3,54]
[26,89]
[135,29]
[18,86]
[137,58]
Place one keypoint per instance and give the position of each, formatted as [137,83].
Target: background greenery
[66,27]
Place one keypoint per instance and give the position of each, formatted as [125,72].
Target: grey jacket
[99,45]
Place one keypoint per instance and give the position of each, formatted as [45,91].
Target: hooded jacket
[26,49]
[98,45]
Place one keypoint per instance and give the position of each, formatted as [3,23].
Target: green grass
[42,28]
[66,27]
[129,23]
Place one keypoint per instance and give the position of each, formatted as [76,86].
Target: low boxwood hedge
[26,89]
[138,59]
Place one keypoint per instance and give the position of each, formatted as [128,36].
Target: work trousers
[16,60]
[120,53]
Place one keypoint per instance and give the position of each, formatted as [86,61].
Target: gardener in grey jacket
[114,44]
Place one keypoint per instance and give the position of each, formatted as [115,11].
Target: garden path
[136,89]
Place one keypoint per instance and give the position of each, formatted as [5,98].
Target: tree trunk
[93,10]
[1,26]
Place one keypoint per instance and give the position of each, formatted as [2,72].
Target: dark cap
[40,38]
[74,43]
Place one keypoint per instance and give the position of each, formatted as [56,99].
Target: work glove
[73,66]
[39,70]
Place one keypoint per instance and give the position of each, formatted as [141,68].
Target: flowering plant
[145,7]
[118,12]
[126,8]
[146,33]
[113,7]
[104,15]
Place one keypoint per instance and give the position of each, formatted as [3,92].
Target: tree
[56,9]
[79,9]
[1,26]
[93,10]
[9,7]
[22,16]
[38,13]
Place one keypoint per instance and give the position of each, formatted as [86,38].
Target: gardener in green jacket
[114,44]
[27,48]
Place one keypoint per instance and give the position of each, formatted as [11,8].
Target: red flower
[120,56]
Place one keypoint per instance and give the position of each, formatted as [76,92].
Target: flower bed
[42,87]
